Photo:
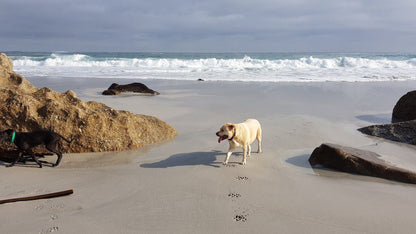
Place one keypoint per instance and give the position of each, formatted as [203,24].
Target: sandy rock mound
[94,126]
[10,79]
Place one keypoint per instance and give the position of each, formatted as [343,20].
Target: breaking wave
[269,67]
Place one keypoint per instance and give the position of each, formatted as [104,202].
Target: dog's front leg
[227,157]
[245,148]
[17,159]
[230,151]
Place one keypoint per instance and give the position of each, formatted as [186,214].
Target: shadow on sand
[300,161]
[188,159]
[8,156]
[375,119]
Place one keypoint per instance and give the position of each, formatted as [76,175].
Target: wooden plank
[43,196]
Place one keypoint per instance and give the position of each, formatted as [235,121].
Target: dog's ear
[230,127]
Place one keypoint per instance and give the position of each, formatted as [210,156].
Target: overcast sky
[208,26]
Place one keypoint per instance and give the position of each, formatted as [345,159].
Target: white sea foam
[302,69]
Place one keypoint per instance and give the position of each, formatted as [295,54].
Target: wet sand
[181,186]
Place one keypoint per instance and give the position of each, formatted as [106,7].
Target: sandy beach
[181,186]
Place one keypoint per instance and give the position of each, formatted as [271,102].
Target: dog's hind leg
[52,148]
[17,159]
[258,137]
[35,158]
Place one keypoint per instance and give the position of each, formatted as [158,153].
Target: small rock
[115,89]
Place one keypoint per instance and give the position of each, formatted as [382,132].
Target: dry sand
[181,186]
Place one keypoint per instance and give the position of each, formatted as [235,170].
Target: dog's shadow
[188,159]
[8,157]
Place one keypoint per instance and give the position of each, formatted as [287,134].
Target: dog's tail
[63,138]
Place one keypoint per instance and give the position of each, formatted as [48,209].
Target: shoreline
[181,185]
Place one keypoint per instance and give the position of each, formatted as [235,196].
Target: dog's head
[226,132]
[6,135]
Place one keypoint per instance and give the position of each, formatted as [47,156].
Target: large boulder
[404,132]
[358,161]
[116,89]
[405,108]
[93,126]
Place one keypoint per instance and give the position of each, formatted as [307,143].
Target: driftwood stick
[49,195]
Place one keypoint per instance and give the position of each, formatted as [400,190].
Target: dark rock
[111,92]
[405,108]
[404,132]
[115,89]
[358,161]
[200,79]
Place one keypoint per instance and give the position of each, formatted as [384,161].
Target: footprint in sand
[242,178]
[241,218]
[49,230]
[53,217]
[241,215]
[234,195]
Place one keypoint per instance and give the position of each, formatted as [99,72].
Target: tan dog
[241,135]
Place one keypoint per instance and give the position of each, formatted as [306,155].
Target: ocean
[252,67]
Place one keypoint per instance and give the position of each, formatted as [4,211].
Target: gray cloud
[208,26]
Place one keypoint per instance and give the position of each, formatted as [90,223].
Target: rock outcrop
[94,126]
[405,108]
[403,127]
[358,161]
[116,89]
[10,79]
[404,132]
